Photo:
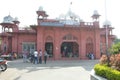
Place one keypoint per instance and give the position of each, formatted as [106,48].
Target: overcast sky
[25,10]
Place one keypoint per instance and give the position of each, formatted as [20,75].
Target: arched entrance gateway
[69,47]
[89,48]
[49,46]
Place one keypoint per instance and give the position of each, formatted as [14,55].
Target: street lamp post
[106,39]
[107,24]
[106,27]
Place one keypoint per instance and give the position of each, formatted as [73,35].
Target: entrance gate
[69,49]
[49,48]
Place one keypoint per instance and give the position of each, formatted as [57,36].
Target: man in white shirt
[35,57]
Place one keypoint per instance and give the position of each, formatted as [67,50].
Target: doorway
[69,49]
[49,48]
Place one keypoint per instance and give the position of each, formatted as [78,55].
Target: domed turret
[107,23]
[95,12]
[40,8]
[9,24]
[41,13]
[8,19]
[95,15]
[16,21]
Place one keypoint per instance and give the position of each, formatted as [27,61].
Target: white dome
[62,16]
[70,14]
[15,19]
[8,19]
[40,8]
[108,23]
[69,18]
[95,12]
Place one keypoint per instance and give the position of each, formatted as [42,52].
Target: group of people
[90,56]
[35,57]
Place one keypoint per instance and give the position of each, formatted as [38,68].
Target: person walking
[45,56]
[25,56]
[40,57]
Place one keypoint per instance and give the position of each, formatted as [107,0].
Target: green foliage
[107,72]
[115,49]
[109,67]
[100,70]
[117,40]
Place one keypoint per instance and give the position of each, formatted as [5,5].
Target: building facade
[67,37]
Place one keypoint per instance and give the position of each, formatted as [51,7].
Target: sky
[25,10]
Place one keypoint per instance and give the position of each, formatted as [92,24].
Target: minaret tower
[16,22]
[95,15]
[9,25]
[95,18]
[41,14]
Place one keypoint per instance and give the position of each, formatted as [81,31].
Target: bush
[112,61]
[103,59]
[107,72]
[100,70]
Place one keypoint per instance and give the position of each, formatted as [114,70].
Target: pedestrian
[25,56]
[92,56]
[35,57]
[40,57]
[45,56]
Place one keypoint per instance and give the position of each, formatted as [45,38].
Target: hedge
[107,72]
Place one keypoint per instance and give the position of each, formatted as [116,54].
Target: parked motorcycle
[3,64]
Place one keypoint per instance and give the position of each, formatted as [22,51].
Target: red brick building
[67,37]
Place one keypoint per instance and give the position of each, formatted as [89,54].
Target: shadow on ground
[86,64]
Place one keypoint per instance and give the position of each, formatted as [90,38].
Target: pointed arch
[49,39]
[89,40]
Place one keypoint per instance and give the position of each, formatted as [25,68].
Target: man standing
[45,56]
[40,57]
[35,57]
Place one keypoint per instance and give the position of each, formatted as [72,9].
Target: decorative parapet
[51,24]
[88,23]
[61,24]
[25,28]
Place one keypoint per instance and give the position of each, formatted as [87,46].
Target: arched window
[49,39]
[10,30]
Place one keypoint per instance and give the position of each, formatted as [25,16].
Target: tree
[116,40]
[115,49]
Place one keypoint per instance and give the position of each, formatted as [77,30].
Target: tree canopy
[115,49]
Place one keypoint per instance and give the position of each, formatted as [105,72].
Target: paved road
[53,70]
